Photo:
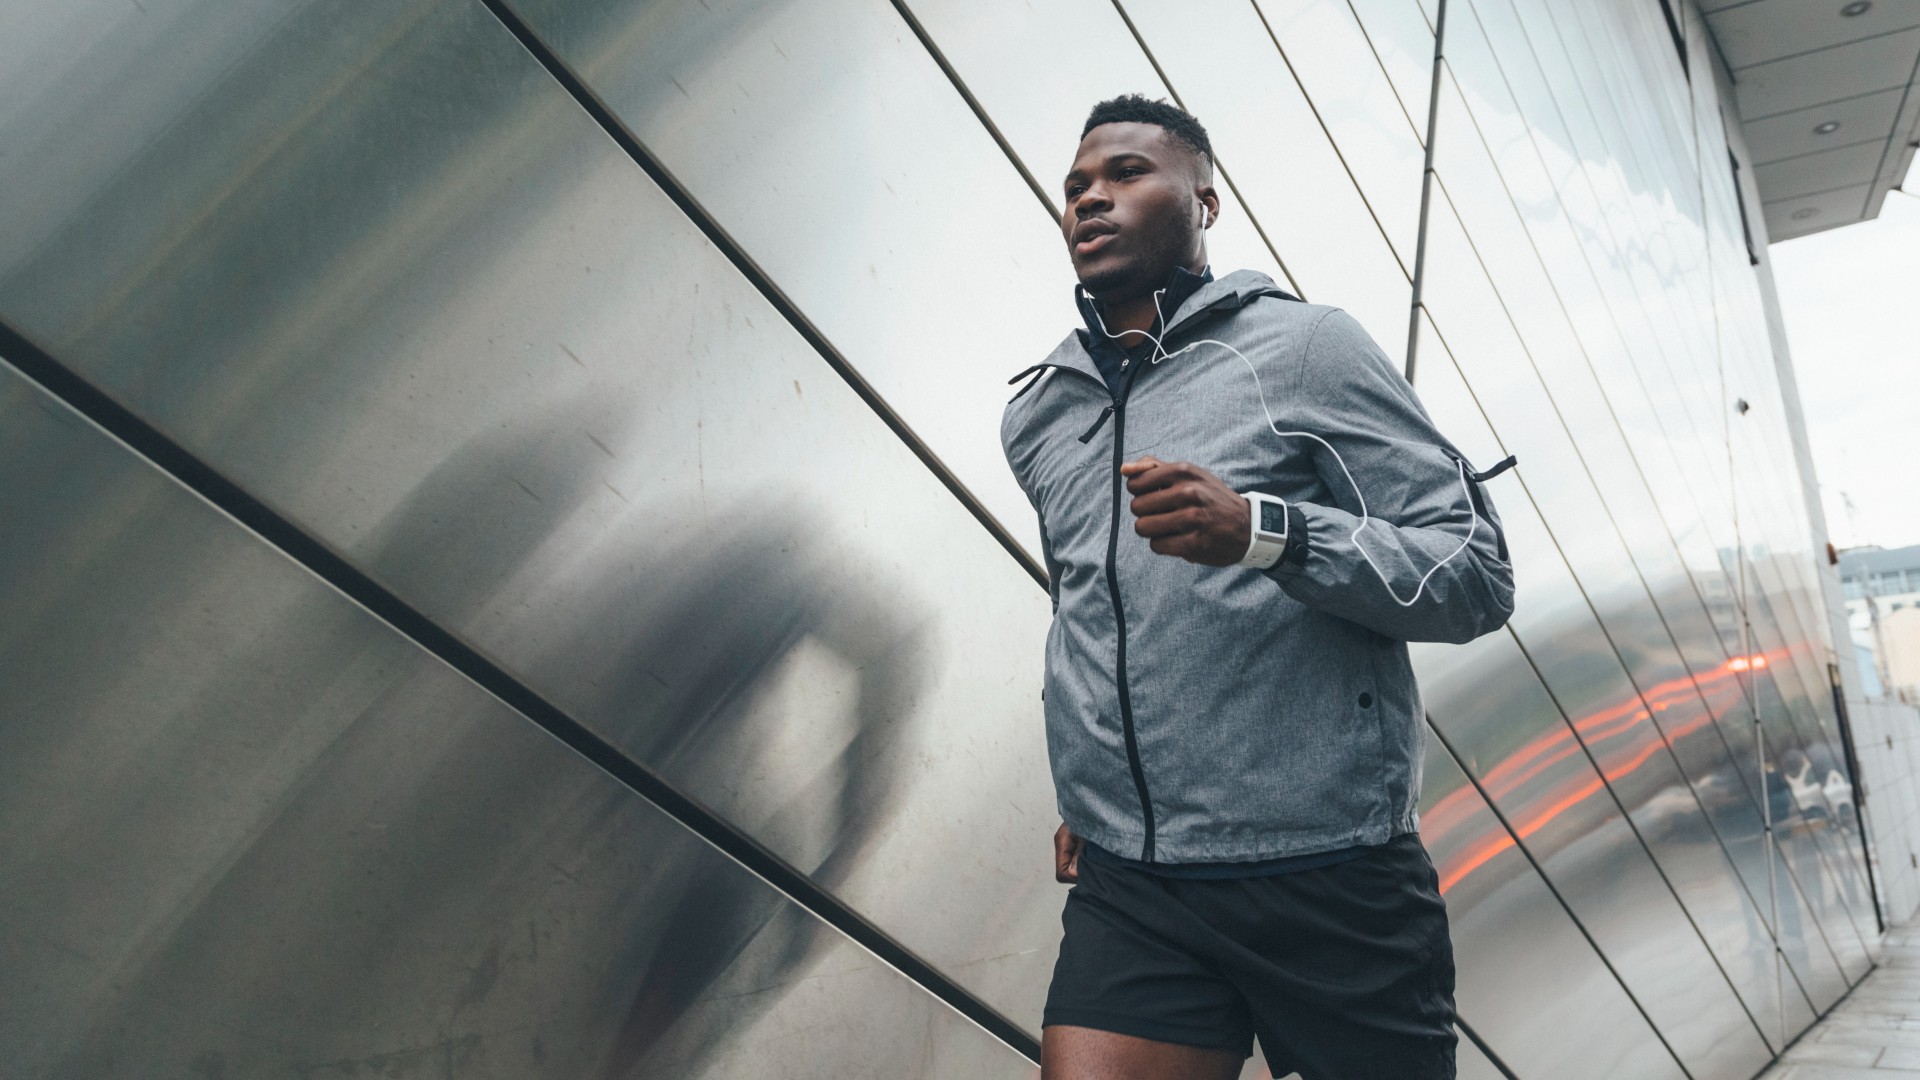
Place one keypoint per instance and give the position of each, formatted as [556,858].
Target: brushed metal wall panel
[1618,207]
[1008,54]
[1341,75]
[1613,722]
[1483,72]
[1218,56]
[1521,749]
[1473,1065]
[1821,874]
[823,137]
[375,266]
[1401,35]
[1530,751]
[1730,923]
[1628,597]
[1541,163]
[1529,982]
[254,832]
[441,321]
[1565,813]
[1650,162]
[1810,822]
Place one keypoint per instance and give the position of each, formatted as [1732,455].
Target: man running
[1234,729]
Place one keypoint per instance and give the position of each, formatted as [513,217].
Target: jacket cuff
[1298,538]
[1293,556]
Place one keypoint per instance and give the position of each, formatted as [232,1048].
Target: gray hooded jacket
[1225,714]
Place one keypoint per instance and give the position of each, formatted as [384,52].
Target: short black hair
[1135,109]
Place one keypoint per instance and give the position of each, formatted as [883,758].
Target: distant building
[1883,611]
[1890,574]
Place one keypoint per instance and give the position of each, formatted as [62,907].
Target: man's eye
[1074,190]
[1132,170]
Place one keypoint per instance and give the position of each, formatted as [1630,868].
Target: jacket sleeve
[1053,567]
[1008,426]
[1420,502]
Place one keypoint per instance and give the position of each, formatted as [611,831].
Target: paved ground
[1875,1033]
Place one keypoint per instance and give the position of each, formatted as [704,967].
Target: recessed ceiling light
[1858,7]
[1803,213]
[1827,128]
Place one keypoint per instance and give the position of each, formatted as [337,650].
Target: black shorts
[1345,972]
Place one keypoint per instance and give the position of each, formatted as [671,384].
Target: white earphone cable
[1160,353]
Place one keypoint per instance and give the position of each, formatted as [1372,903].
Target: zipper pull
[1097,423]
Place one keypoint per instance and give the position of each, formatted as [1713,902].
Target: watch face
[1273,517]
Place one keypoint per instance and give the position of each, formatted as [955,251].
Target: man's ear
[1210,199]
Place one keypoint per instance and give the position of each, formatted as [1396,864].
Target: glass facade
[392,390]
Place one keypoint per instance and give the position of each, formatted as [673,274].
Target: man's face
[1134,200]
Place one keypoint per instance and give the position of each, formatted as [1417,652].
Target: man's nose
[1092,201]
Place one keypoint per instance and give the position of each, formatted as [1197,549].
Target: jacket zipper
[1120,620]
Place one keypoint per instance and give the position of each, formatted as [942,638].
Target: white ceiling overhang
[1828,98]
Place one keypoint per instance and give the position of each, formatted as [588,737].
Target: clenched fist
[1186,511]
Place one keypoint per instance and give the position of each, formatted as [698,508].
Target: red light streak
[1552,747]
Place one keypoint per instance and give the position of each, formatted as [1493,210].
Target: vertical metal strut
[1426,187]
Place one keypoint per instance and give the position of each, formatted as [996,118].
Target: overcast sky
[1851,297]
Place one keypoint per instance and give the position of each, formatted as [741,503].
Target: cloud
[1849,298]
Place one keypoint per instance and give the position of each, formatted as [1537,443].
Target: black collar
[1181,284]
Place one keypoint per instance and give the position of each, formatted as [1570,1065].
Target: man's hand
[1185,510]
[1066,856]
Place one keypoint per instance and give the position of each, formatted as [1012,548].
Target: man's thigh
[1077,1053]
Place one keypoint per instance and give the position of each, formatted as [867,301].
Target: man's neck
[1138,313]
[1130,319]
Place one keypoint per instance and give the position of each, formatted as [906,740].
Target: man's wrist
[1267,527]
[1278,534]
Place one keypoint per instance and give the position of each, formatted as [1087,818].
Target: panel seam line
[609,123]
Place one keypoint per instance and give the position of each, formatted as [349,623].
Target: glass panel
[252,831]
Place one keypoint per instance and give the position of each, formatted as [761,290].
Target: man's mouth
[1091,236]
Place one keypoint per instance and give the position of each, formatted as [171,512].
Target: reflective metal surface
[1529,981]
[1506,171]
[274,838]
[1576,657]
[379,268]
[1221,59]
[1627,566]
[825,139]
[497,369]
[1008,55]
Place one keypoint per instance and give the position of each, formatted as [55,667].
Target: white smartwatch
[1269,541]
